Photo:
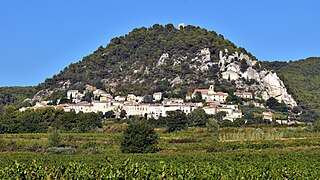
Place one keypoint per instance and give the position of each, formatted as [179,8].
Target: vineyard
[191,154]
[226,165]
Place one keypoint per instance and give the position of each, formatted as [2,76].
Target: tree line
[40,120]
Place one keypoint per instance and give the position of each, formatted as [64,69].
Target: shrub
[198,117]
[139,137]
[176,120]
[213,126]
[61,150]
[34,146]
[54,138]
[226,123]
[316,126]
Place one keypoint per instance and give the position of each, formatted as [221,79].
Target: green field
[233,153]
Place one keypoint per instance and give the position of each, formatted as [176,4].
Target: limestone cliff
[242,70]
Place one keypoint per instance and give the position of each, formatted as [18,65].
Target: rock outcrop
[202,61]
[242,70]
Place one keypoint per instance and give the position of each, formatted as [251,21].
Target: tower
[211,88]
[181,26]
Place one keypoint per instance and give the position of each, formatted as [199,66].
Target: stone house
[267,116]
[244,95]
[157,96]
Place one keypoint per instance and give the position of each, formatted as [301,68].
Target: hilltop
[149,59]
[179,60]
[171,60]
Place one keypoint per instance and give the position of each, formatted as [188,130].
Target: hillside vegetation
[129,63]
[15,96]
[301,78]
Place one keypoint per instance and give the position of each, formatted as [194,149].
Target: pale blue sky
[39,38]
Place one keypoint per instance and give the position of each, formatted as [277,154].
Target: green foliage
[60,150]
[54,138]
[88,96]
[239,122]
[272,103]
[123,114]
[316,126]
[109,114]
[88,122]
[197,98]
[176,120]
[220,165]
[220,115]
[213,126]
[39,120]
[139,137]
[226,123]
[161,122]
[301,78]
[234,99]
[244,66]
[253,115]
[15,96]
[134,56]
[198,117]
[57,95]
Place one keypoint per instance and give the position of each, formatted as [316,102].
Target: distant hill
[302,79]
[15,96]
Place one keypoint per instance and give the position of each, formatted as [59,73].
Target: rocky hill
[15,96]
[176,60]
[265,83]
[149,56]
[302,79]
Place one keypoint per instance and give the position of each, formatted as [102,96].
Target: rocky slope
[301,78]
[266,83]
[164,58]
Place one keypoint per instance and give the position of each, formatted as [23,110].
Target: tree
[239,122]
[198,117]
[197,97]
[212,126]
[244,66]
[272,103]
[109,114]
[123,114]
[226,123]
[54,138]
[139,137]
[66,121]
[176,120]
[88,122]
[10,112]
[296,110]
[88,96]
[148,99]
[220,115]
[316,126]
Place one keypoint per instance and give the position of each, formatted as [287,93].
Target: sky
[40,38]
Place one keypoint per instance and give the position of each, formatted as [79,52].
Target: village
[213,102]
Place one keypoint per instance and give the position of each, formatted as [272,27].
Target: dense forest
[302,79]
[15,96]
